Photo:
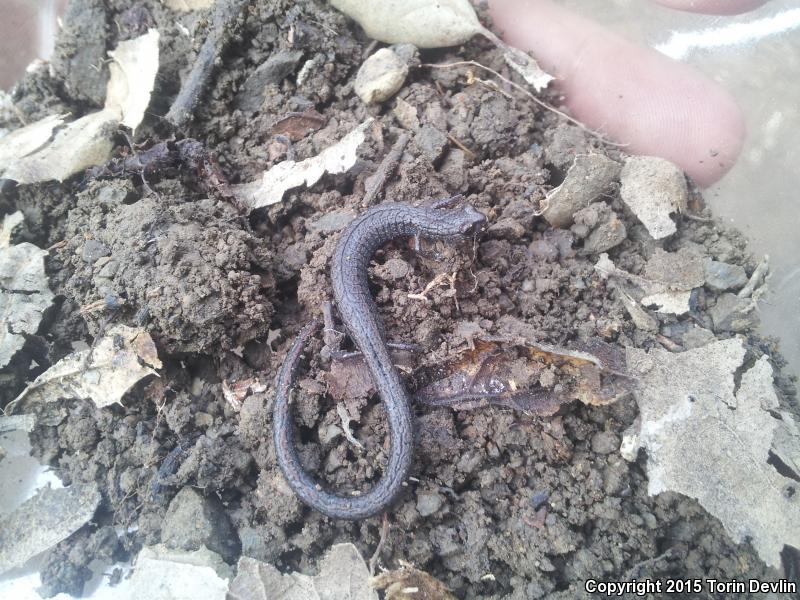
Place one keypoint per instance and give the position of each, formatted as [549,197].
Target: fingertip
[633,94]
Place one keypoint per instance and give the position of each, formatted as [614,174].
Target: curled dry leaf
[712,440]
[24,293]
[342,574]
[423,23]
[439,24]
[132,71]
[289,174]
[123,356]
[526,376]
[409,583]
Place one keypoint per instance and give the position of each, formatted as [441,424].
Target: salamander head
[468,221]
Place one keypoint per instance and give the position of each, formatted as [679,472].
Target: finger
[713,7]
[634,94]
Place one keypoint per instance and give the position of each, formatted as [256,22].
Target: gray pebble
[335,220]
[721,276]
[429,503]
[193,521]
[93,251]
[605,442]
[380,77]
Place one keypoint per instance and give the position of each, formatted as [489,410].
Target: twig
[519,88]
[461,145]
[373,562]
[375,182]
[222,31]
[698,218]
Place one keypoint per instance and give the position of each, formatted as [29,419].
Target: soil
[502,504]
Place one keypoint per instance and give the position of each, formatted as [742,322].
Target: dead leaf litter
[178,272]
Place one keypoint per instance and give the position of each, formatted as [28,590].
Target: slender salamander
[349,275]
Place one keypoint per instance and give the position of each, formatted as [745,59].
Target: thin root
[521,89]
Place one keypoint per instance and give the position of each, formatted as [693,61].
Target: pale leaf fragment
[24,296]
[710,441]
[437,24]
[75,147]
[132,76]
[289,174]
[423,23]
[161,573]
[671,302]
[654,188]
[123,356]
[26,140]
[188,5]
[342,574]
[44,520]
[49,150]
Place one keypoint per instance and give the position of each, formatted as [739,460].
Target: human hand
[633,94]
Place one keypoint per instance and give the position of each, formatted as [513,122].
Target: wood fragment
[223,29]
[375,183]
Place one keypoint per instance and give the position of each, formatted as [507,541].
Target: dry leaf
[711,441]
[24,293]
[26,140]
[343,574]
[409,583]
[423,23]
[49,150]
[161,573]
[132,76]
[188,5]
[673,303]
[289,174]
[104,373]
[75,147]
[654,188]
[437,24]
[44,520]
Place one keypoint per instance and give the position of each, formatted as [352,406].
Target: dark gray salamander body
[349,274]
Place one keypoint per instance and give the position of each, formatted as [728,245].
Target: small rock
[588,177]
[454,170]
[93,251]
[328,433]
[295,256]
[654,188]
[640,317]
[607,229]
[605,442]
[681,270]
[193,521]
[428,503]
[380,77]
[567,143]
[333,221]
[271,71]
[722,276]
[697,337]
[544,250]
[732,313]
[431,141]
[406,115]
[509,229]
[393,269]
